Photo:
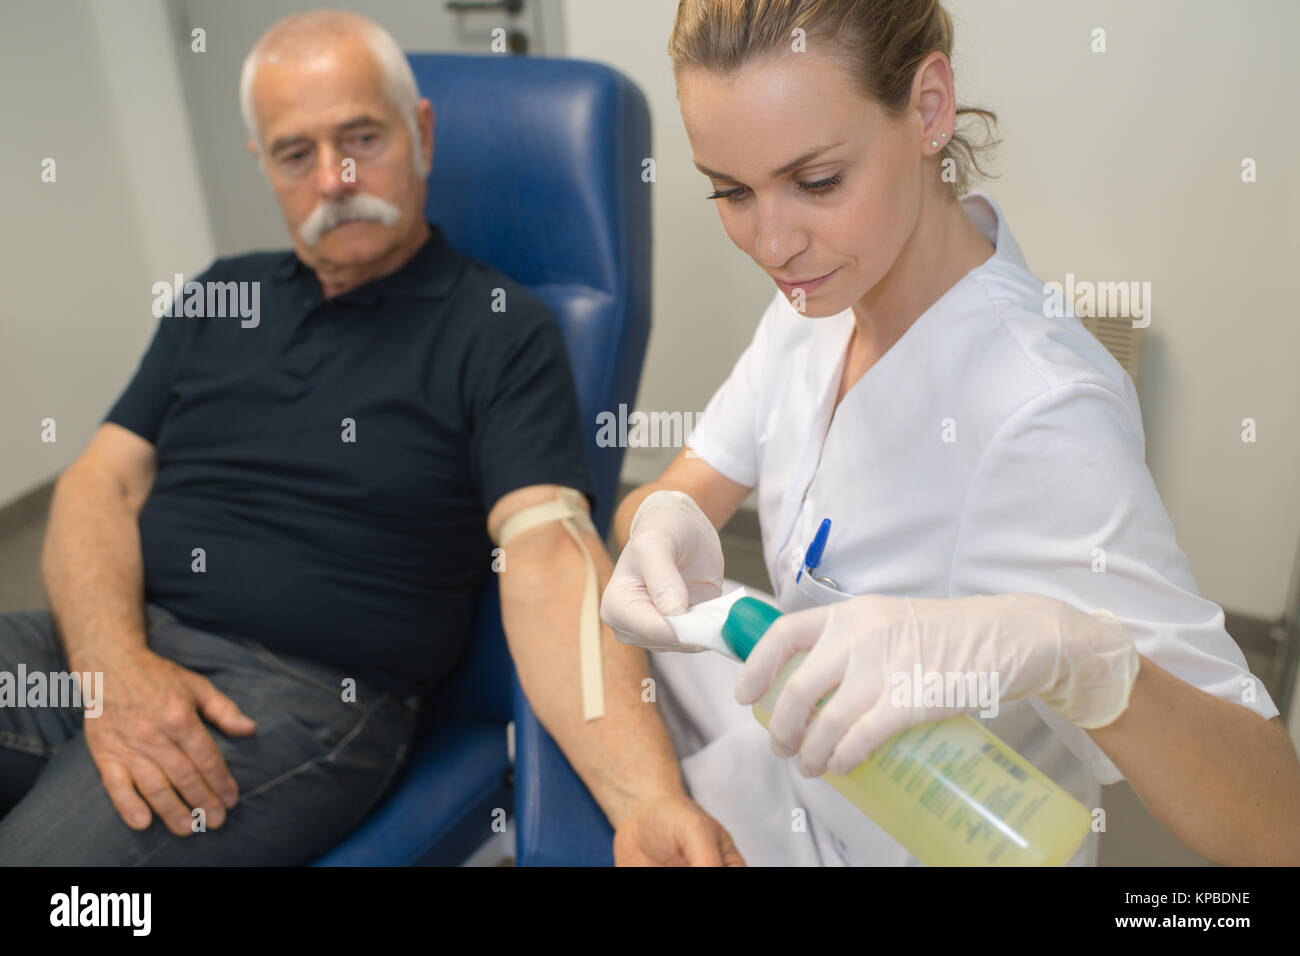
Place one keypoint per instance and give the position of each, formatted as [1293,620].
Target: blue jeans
[314,768]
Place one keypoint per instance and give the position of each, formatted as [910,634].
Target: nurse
[982,466]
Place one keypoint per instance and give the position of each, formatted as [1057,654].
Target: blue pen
[814,555]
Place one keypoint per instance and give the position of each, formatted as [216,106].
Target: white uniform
[990,450]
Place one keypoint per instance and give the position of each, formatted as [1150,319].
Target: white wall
[94,89]
[1123,165]
[708,294]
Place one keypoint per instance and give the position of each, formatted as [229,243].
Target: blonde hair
[880,42]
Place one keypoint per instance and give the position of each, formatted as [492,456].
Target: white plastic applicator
[701,624]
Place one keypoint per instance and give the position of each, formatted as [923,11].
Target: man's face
[339,155]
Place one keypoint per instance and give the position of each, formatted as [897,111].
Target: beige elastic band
[569,508]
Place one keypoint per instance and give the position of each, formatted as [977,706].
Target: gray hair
[304,32]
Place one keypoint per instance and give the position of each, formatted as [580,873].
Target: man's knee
[66,818]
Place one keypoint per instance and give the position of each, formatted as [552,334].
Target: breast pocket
[809,592]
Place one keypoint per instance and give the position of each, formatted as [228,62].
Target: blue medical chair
[536,171]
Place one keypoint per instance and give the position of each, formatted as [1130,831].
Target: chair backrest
[537,172]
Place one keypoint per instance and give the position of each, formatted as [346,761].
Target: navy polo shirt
[365,553]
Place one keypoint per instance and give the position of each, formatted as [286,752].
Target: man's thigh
[313,768]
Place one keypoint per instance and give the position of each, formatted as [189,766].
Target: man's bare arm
[91,560]
[149,744]
[625,758]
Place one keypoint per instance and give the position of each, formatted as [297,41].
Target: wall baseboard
[26,509]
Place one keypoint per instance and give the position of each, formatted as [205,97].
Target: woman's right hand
[672,560]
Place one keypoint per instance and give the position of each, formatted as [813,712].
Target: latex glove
[1081,665]
[673,559]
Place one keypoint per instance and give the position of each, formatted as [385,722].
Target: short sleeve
[143,404]
[726,433]
[1062,504]
[526,428]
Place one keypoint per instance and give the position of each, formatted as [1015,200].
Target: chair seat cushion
[441,808]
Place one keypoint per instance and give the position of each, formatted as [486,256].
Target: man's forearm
[625,757]
[93,570]
[1221,778]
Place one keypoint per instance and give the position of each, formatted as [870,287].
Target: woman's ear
[934,102]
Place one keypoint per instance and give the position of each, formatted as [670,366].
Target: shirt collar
[993,224]
[427,274]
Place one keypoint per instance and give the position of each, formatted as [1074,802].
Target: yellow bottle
[949,791]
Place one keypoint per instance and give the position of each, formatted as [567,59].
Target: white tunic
[992,449]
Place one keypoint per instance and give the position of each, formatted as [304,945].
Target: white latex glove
[673,559]
[1081,665]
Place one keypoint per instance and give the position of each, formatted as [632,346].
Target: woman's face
[843,213]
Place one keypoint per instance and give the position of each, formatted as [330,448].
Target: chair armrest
[557,821]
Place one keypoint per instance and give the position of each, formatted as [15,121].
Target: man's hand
[149,738]
[674,831]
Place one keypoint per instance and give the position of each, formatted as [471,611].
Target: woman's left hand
[871,649]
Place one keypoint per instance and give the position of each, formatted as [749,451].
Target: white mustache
[359,207]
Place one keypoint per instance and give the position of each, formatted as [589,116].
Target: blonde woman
[973,454]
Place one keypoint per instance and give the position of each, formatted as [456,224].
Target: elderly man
[269,547]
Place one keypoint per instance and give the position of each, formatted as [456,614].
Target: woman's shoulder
[1025,345]
[1053,347]
[1015,352]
